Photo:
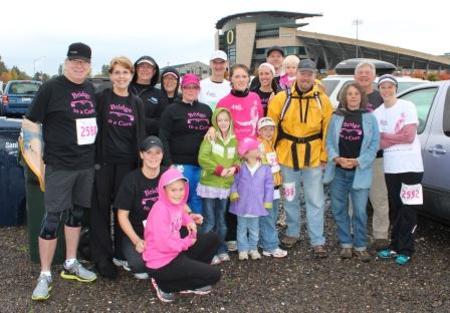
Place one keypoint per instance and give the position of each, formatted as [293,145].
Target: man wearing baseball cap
[302,114]
[146,75]
[65,107]
[215,87]
[274,56]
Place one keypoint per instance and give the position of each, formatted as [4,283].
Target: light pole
[34,64]
[357,22]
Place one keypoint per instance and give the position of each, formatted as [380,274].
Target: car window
[405,85]
[330,85]
[423,99]
[342,88]
[23,88]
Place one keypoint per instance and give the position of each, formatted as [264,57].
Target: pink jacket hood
[169,176]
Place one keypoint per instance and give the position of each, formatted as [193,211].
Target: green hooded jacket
[217,155]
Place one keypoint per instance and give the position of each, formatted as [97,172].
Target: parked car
[17,96]
[335,83]
[432,101]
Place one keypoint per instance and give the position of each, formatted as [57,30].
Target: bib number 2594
[86,130]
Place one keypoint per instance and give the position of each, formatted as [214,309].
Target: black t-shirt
[63,107]
[351,135]
[137,194]
[264,96]
[151,97]
[121,130]
[375,100]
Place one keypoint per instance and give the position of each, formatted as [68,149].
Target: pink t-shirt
[245,112]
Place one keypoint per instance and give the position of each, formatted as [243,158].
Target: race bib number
[273,162]
[218,149]
[289,191]
[86,130]
[276,194]
[411,194]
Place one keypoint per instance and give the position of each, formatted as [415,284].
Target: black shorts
[66,188]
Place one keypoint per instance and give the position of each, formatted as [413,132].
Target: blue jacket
[369,147]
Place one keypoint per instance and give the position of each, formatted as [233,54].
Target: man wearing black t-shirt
[65,106]
[365,75]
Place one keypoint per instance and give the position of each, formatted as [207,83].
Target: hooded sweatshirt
[163,241]
[216,155]
[151,96]
[246,110]
[165,100]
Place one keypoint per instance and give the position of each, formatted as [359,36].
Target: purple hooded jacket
[252,195]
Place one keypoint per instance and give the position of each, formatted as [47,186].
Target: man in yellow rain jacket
[302,115]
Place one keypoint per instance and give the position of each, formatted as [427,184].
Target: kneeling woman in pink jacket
[177,264]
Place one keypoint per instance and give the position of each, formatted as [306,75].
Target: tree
[18,74]
[3,67]
[60,69]
[105,70]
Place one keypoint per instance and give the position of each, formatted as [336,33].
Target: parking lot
[298,283]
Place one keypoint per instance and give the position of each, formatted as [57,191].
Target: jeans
[341,188]
[214,220]
[248,225]
[133,257]
[314,199]
[267,229]
[192,173]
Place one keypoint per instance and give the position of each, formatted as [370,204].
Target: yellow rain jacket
[302,132]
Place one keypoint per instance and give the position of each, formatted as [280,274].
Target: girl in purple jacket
[251,196]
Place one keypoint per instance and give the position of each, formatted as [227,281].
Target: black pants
[402,217]
[190,269]
[106,183]
[133,257]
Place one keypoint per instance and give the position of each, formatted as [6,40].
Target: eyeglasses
[80,62]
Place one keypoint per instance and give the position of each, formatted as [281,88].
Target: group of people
[186,177]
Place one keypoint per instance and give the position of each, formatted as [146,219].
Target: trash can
[35,213]
[12,186]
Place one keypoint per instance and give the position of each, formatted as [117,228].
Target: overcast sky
[37,33]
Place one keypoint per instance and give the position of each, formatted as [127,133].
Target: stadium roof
[285,14]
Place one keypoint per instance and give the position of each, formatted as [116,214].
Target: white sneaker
[254,254]
[215,260]
[141,275]
[224,257]
[243,255]
[277,253]
[121,263]
[232,246]
[43,288]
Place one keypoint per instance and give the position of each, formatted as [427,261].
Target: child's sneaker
[77,272]
[386,254]
[232,245]
[199,291]
[254,254]
[215,260]
[163,296]
[43,288]
[364,256]
[402,259]
[141,275]
[224,257]
[243,255]
[277,253]
[121,263]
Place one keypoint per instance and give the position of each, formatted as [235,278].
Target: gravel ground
[298,283]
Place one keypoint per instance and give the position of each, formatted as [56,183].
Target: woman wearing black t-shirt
[135,198]
[353,140]
[268,86]
[121,128]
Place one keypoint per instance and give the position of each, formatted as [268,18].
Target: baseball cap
[265,121]
[218,54]
[79,50]
[387,78]
[275,48]
[190,79]
[150,142]
[146,59]
[307,65]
